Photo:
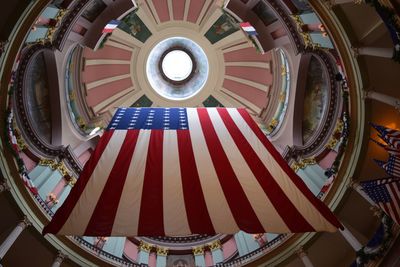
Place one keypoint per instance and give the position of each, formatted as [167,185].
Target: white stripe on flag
[111,26]
[260,203]
[394,198]
[389,209]
[249,29]
[303,205]
[217,205]
[175,217]
[83,210]
[127,216]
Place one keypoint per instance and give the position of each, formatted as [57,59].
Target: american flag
[388,148]
[386,194]
[392,166]
[180,171]
[390,136]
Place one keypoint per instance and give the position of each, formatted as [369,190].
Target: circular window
[177,68]
[177,65]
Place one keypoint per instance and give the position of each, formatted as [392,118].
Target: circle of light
[193,85]
[177,65]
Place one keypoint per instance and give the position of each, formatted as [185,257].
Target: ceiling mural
[134,26]
[222,28]
[38,99]
[316,98]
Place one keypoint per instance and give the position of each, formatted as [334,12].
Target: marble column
[351,239]
[304,258]
[216,252]
[161,257]
[199,259]
[390,100]
[5,246]
[339,2]
[4,186]
[60,258]
[373,51]
[144,252]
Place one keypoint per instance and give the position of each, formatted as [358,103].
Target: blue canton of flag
[386,194]
[150,119]
[392,166]
[390,136]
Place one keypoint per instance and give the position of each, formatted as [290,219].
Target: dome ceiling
[126,70]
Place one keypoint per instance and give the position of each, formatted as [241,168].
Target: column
[60,258]
[115,245]
[198,253]
[161,257]
[5,246]
[392,101]
[144,252]
[373,51]
[4,186]
[351,239]
[216,251]
[338,2]
[304,258]
[245,243]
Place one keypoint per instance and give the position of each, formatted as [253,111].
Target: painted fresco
[38,99]
[143,101]
[93,10]
[180,261]
[212,102]
[264,13]
[302,5]
[316,98]
[222,28]
[134,26]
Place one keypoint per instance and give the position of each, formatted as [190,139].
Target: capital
[301,252]
[25,222]
[198,250]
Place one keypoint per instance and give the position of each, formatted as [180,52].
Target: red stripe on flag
[151,218]
[65,210]
[395,199]
[287,211]
[240,206]
[324,210]
[196,208]
[102,220]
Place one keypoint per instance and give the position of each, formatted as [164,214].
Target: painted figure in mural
[222,28]
[135,28]
[180,263]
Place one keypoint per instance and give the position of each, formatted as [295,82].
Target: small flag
[388,148]
[392,166]
[386,194]
[250,30]
[28,183]
[390,136]
[110,27]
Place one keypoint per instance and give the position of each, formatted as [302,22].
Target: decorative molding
[198,251]
[67,22]
[215,245]
[161,251]
[146,247]
[302,164]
